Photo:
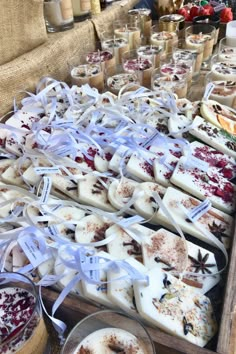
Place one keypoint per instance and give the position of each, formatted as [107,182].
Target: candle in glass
[167,40]
[131,33]
[143,17]
[104,58]
[117,46]
[88,74]
[151,52]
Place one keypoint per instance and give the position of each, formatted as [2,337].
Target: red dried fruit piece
[221,163]
[219,192]
[227,173]
[229,188]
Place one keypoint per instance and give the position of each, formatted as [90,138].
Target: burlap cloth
[53,57]
[22,27]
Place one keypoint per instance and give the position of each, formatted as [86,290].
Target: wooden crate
[73,310]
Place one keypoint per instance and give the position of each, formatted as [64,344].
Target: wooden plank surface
[73,310]
[223,346]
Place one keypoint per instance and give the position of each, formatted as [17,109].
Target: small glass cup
[129,32]
[143,18]
[105,58]
[213,20]
[106,330]
[115,45]
[22,325]
[57,16]
[142,67]
[226,52]
[167,40]
[91,74]
[187,60]
[114,83]
[170,82]
[151,52]
[198,35]
[224,92]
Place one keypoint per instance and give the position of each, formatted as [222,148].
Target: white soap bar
[66,217]
[203,185]
[145,204]
[14,142]
[121,191]
[119,158]
[23,120]
[177,123]
[92,228]
[214,137]
[124,245]
[121,292]
[140,167]
[109,341]
[215,221]
[13,174]
[222,163]
[101,162]
[92,192]
[175,308]
[98,292]
[30,176]
[168,251]
[164,170]
[6,193]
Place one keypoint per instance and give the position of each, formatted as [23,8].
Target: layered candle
[223,71]
[140,66]
[224,92]
[22,328]
[118,46]
[105,58]
[109,341]
[130,33]
[116,82]
[167,40]
[143,18]
[151,52]
[88,74]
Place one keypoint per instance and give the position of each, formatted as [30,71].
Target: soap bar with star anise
[217,222]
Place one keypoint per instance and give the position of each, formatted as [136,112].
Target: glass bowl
[107,330]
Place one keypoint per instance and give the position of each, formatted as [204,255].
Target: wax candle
[118,46]
[223,71]
[81,9]
[231,33]
[109,341]
[143,18]
[22,329]
[195,41]
[151,52]
[88,74]
[105,58]
[58,15]
[142,67]
[224,93]
[165,39]
[172,82]
[130,33]
[116,82]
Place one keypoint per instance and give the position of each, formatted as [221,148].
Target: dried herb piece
[160,260]
[200,264]
[136,248]
[217,230]
[116,348]
[188,327]
[166,282]
[84,351]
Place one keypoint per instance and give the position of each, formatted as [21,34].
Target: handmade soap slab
[98,292]
[124,245]
[203,185]
[175,308]
[119,158]
[121,292]
[121,191]
[224,164]
[215,221]
[13,174]
[92,192]
[164,170]
[92,228]
[171,253]
[214,136]
[144,203]
[141,167]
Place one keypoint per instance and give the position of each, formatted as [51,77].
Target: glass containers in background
[58,15]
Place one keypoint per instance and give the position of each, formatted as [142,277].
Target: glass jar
[58,15]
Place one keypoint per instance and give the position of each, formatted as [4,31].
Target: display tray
[223,296]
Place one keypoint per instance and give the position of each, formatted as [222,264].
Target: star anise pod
[200,264]
[217,230]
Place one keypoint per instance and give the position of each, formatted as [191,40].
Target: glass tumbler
[226,52]
[115,45]
[128,31]
[198,35]
[109,331]
[22,325]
